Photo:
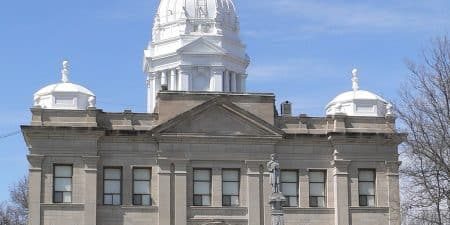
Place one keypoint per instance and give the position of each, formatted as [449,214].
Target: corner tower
[195,47]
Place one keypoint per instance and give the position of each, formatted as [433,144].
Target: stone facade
[216,131]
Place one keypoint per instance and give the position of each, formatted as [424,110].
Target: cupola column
[163,79]
[173,80]
[151,92]
[226,80]
[243,82]
[183,79]
[216,83]
[233,82]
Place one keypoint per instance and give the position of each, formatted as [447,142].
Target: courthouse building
[199,155]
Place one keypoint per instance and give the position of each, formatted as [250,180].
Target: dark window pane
[58,197]
[226,200]
[197,200]
[362,200]
[313,202]
[137,199]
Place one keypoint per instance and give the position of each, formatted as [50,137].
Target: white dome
[64,95]
[172,10]
[350,96]
[359,103]
[64,88]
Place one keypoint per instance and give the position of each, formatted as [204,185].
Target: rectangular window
[230,187]
[317,180]
[366,184]
[112,186]
[289,187]
[141,186]
[62,184]
[202,187]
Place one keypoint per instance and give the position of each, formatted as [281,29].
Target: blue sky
[302,50]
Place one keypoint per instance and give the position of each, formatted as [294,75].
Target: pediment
[201,46]
[218,118]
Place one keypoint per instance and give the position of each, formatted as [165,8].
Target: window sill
[368,209]
[130,207]
[73,206]
[310,210]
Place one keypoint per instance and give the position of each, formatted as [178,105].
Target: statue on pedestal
[274,169]
[276,198]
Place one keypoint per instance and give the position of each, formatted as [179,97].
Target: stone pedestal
[276,201]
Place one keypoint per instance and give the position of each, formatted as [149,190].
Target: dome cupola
[359,102]
[195,46]
[64,95]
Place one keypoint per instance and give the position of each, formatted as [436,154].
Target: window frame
[121,183]
[54,184]
[210,186]
[287,203]
[325,173]
[150,186]
[374,182]
[238,186]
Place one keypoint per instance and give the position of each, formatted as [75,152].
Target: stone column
[180,192]
[342,213]
[226,81]
[216,187]
[216,83]
[254,192]
[90,193]
[233,82]
[164,192]
[392,168]
[183,79]
[173,80]
[34,186]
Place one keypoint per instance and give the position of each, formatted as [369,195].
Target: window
[317,188]
[112,190]
[202,187]
[141,186]
[62,184]
[230,187]
[366,181]
[289,187]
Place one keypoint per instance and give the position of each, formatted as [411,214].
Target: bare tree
[424,109]
[15,212]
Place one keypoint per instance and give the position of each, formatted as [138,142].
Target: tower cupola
[195,46]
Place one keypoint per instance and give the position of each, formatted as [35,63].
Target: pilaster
[341,198]
[34,186]
[217,187]
[164,192]
[255,198]
[303,188]
[180,192]
[90,197]
[392,169]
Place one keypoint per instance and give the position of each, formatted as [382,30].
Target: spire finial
[65,71]
[355,80]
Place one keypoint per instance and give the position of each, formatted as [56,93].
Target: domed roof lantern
[64,95]
[359,102]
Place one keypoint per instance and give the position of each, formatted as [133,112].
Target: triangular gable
[218,117]
[201,46]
